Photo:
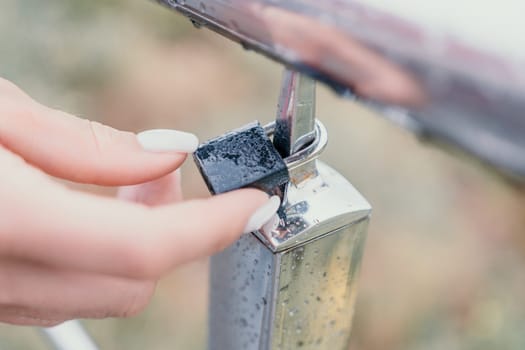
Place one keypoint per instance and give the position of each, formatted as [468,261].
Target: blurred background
[444,262]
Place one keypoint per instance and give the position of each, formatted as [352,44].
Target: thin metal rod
[295,121]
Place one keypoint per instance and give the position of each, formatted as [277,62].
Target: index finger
[49,223]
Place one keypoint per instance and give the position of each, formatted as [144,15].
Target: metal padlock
[292,284]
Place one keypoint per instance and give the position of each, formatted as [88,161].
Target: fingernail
[263,214]
[167,140]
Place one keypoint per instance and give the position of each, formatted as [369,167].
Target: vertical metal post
[295,121]
[292,284]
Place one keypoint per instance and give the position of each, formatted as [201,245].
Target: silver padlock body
[303,295]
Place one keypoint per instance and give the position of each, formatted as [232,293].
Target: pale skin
[66,254]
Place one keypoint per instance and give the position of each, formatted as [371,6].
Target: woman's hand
[66,254]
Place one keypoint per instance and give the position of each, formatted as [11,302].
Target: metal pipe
[439,70]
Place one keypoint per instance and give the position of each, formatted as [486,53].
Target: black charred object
[241,158]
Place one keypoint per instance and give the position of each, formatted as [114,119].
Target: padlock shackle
[310,151]
[295,120]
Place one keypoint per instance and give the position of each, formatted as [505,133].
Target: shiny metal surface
[242,281]
[302,293]
[308,153]
[448,71]
[313,208]
[295,121]
[292,284]
[317,289]
[301,165]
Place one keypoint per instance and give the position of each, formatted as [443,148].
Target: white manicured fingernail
[263,214]
[167,140]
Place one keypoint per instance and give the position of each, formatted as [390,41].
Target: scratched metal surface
[452,72]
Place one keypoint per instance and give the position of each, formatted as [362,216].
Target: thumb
[79,150]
